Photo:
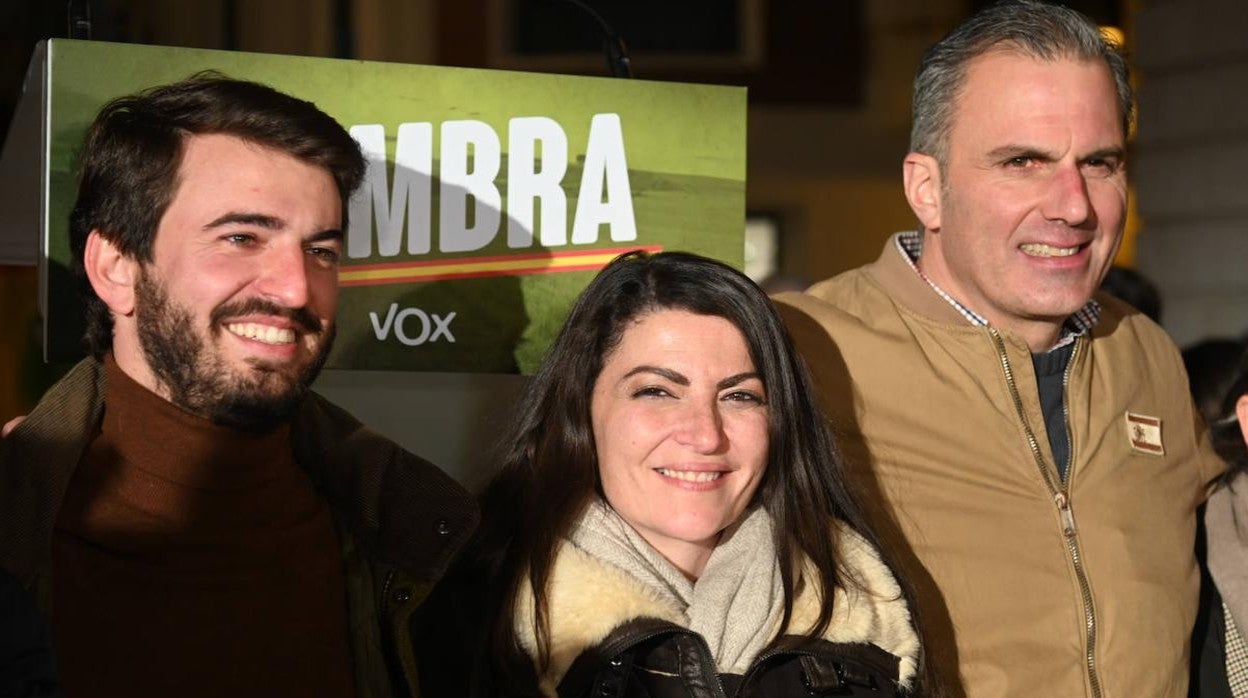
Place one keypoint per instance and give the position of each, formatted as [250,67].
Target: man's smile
[267,334]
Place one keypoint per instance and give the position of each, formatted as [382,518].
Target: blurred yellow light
[1114,35]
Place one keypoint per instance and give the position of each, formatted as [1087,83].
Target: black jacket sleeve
[27,666]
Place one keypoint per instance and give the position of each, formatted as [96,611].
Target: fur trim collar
[589,598]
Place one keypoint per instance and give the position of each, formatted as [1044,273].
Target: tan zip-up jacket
[1028,585]
[400,520]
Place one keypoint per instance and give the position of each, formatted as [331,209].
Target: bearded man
[190,518]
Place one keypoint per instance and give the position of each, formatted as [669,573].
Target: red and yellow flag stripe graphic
[478,267]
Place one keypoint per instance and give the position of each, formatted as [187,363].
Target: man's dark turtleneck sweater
[194,559]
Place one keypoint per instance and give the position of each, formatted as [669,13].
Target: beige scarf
[735,604]
[591,593]
[1226,528]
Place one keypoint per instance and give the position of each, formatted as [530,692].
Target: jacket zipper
[1061,497]
[1070,437]
[708,665]
[762,659]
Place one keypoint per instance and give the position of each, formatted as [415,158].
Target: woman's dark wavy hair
[128,166]
[549,468]
[1226,431]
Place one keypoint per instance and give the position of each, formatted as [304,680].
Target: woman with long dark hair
[670,517]
[1219,651]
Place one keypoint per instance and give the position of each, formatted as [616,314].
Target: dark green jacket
[400,519]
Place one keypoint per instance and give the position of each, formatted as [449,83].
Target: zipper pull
[1068,516]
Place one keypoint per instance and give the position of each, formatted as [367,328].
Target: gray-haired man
[1033,450]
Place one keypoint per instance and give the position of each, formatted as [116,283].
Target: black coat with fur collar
[610,637]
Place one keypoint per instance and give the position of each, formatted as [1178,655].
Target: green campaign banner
[492,197]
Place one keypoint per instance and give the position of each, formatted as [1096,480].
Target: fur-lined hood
[589,598]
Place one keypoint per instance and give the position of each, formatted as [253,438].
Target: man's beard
[200,381]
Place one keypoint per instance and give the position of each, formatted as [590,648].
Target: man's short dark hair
[128,169]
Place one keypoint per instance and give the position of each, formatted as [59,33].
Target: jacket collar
[591,598]
[895,273]
[37,460]
[401,508]
[905,247]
